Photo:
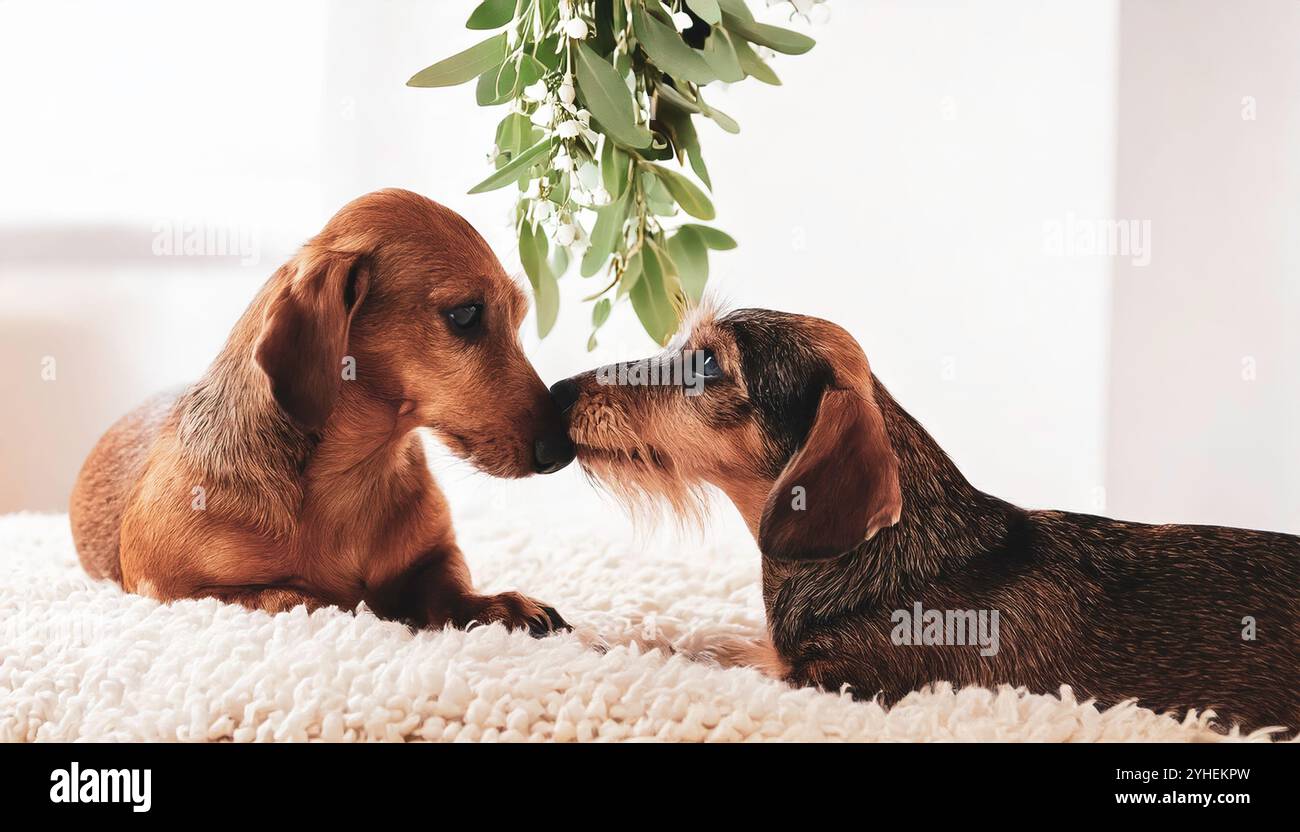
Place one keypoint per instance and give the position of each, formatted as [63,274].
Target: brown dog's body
[817,456]
[1116,610]
[280,479]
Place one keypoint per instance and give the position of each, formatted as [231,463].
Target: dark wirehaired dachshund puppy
[862,519]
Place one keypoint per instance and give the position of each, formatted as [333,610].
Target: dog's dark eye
[709,368]
[467,316]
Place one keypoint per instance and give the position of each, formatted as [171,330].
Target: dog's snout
[551,453]
[554,450]
[564,394]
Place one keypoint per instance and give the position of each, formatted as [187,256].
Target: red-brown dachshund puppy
[882,565]
[291,473]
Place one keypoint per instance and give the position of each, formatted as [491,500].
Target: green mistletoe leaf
[605,235]
[651,301]
[463,66]
[707,10]
[773,37]
[754,66]
[514,169]
[669,52]
[491,14]
[608,99]
[686,192]
[692,258]
[712,237]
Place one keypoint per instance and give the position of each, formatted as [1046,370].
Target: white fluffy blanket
[83,660]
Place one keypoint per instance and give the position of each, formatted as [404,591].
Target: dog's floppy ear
[305,333]
[841,487]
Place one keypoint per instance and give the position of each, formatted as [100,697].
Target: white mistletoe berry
[535,92]
[543,116]
[562,161]
[682,21]
[576,29]
[588,176]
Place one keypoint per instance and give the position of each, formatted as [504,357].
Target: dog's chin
[640,478]
[490,457]
[505,465]
[505,471]
[626,470]
[645,457]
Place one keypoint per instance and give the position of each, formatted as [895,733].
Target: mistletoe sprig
[603,95]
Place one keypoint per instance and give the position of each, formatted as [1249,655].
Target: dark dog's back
[107,478]
[879,556]
[1177,616]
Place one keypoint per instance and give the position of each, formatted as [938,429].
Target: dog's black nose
[564,394]
[552,453]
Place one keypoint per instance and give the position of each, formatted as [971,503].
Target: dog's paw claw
[516,611]
[557,622]
[539,627]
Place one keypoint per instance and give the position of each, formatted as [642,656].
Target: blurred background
[1064,232]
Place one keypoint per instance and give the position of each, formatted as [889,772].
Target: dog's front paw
[515,610]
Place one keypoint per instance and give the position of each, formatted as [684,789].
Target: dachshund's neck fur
[944,522]
[230,416]
[944,519]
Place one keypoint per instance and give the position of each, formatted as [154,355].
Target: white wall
[146,109]
[898,183]
[1204,418]
[119,117]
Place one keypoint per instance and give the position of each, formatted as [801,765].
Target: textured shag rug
[82,660]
